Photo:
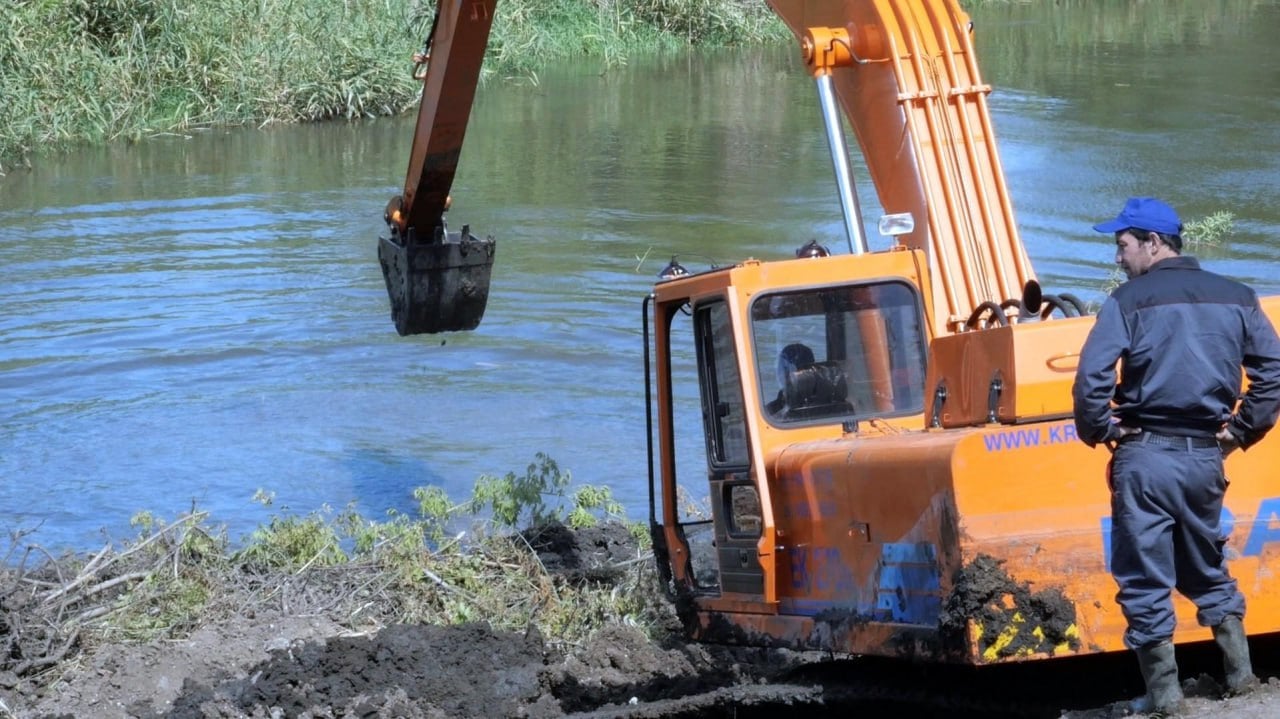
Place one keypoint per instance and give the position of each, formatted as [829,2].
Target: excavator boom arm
[907,79]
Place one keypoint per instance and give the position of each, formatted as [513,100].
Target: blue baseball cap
[1144,213]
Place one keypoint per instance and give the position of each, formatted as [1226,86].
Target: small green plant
[538,497]
[290,542]
[435,509]
[196,542]
[1115,278]
[144,522]
[394,542]
[514,498]
[590,500]
[162,605]
[1208,231]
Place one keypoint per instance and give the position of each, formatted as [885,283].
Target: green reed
[77,71]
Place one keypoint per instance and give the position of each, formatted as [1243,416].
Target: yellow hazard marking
[1010,632]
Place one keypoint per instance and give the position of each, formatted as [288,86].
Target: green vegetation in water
[174,577]
[77,71]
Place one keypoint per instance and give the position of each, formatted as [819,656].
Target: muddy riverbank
[300,654]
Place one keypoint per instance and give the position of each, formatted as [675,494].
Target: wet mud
[307,667]
[1008,617]
[475,671]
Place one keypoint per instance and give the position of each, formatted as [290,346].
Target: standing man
[1181,335]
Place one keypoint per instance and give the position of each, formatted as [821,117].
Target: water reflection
[191,319]
[1100,100]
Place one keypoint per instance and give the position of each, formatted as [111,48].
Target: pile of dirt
[599,553]
[411,671]
[289,668]
[286,668]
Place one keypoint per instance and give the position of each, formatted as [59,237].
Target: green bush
[516,501]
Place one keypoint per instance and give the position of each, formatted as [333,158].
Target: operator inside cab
[792,357]
[844,352]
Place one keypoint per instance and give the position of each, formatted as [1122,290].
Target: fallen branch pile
[45,610]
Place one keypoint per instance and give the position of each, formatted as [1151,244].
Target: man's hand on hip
[1122,431]
[1118,433]
[1226,441]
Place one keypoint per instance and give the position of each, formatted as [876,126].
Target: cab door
[733,500]
[711,527]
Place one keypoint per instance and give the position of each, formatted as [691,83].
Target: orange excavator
[890,459]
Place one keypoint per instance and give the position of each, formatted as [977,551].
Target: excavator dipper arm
[438,281]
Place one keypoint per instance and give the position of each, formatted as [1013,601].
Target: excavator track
[1098,685]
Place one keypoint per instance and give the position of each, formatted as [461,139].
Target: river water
[191,319]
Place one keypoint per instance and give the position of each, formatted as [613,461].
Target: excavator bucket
[441,286]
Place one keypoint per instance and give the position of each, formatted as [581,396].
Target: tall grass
[75,71]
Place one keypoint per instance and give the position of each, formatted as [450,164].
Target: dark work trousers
[1166,533]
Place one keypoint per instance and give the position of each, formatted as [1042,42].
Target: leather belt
[1166,440]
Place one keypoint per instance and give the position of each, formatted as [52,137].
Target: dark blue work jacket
[1181,335]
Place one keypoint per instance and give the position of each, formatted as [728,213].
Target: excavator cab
[774,353]
[870,351]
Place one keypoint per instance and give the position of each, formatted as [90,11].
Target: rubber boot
[1231,639]
[1160,672]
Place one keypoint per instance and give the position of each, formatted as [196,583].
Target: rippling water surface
[191,319]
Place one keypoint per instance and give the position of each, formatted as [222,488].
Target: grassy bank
[77,71]
[573,567]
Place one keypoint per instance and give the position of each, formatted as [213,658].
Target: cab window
[724,415]
[837,354]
